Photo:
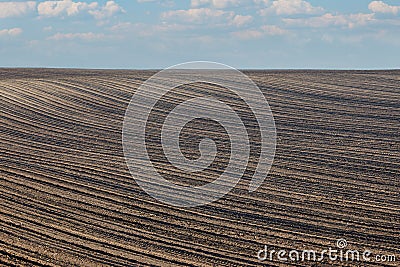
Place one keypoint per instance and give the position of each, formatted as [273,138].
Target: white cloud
[381,7]
[380,35]
[224,3]
[350,21]
[10,32]
[273,30]
[215,3]
[47,28]
[121,27]
[197,15]
[265,2]
[197,3]
[110,9]
[164,3]
[64,7]
[266,30]
[248,34]
[13,9]
[240,20]
[216,17]
[124,29]
[291,7]
[165,27]
[87,36]
[71,8]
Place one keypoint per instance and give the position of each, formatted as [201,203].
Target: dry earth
[68,199]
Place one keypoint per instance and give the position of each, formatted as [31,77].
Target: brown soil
[68,199]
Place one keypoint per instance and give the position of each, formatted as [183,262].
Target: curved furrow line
[128,235]
[243,213]
[231,244]
[350,153]
[299,133]
[94,180]
[128,246]
[129,203]
[282,247]
[319,88]
[370,84]
[329,131]
[8,258]
[355,161]
[39,112]
[68,198]
[102,255]
[86,167]
[58,101]
[59,110]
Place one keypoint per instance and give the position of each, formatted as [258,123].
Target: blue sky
[266,34]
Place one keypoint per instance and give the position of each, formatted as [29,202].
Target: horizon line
[245,69]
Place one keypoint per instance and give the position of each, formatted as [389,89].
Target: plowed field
[68,198]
